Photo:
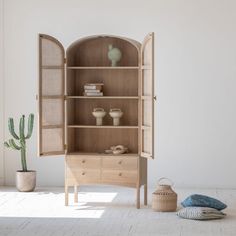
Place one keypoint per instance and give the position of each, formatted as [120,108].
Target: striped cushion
[200,213]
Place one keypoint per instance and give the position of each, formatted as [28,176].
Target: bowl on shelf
[116,150]
[116,114]
[98,113]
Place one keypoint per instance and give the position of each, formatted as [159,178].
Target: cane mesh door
[147,97]
[51,96]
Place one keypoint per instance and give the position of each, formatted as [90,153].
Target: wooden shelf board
[102,97]
[102,67]
[52,96]
[102,127]
[102,154]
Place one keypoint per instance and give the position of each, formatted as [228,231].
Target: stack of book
[93,90]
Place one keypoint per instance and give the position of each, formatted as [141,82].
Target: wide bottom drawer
[83,176]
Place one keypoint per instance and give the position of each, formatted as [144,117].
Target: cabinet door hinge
[65,146]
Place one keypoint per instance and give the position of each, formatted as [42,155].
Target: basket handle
[164,178]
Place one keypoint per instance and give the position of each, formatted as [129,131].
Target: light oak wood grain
[129,87]
[121,163]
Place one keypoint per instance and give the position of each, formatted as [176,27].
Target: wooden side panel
[143,171]
[147,97]
[51,96]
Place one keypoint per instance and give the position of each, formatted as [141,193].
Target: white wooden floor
[103,211]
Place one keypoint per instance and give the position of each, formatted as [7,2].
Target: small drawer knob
[120,174]
[120,162]
[83,161]
[83,173]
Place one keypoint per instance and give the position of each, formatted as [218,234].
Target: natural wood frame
[141,177]
[149,37]
[40,97]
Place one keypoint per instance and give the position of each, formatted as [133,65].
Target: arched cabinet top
[52,40]
[93,51]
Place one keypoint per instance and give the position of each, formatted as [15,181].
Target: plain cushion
[203,201]
[200,213]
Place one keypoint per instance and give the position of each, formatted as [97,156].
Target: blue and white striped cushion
[200,213]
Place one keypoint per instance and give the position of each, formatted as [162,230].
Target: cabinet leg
[138,198]
[145,194]
[66,195]
[75,194]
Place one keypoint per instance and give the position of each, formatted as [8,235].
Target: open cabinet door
[51,96]
[147,97]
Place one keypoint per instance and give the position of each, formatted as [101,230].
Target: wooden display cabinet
[66,124]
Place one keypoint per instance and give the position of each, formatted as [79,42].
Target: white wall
[195,78]
[1,96]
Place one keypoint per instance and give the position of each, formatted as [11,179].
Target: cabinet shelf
[102,97]
[90,154]
[66,122]
[102,67]
[102,127]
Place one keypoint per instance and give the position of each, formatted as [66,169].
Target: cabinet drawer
[79,162]
[120,163]
[116,176]
[83,176]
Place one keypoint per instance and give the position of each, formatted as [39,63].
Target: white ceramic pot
[98,113]
[26,181]
[116,114]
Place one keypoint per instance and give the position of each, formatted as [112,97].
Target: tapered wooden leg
[138,198]
[75,194]
[145,194]
[66,195]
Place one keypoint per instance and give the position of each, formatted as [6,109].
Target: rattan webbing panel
[51,96]
[52,82]
[51,53]
[147,100]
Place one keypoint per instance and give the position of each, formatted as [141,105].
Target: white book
[89,86]
[93,94]
[93,86]
[92,90]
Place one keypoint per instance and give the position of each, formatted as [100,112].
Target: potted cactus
[25,179]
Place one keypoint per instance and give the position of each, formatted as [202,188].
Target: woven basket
[164,199]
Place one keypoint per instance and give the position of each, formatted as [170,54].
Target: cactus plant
[20,140]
